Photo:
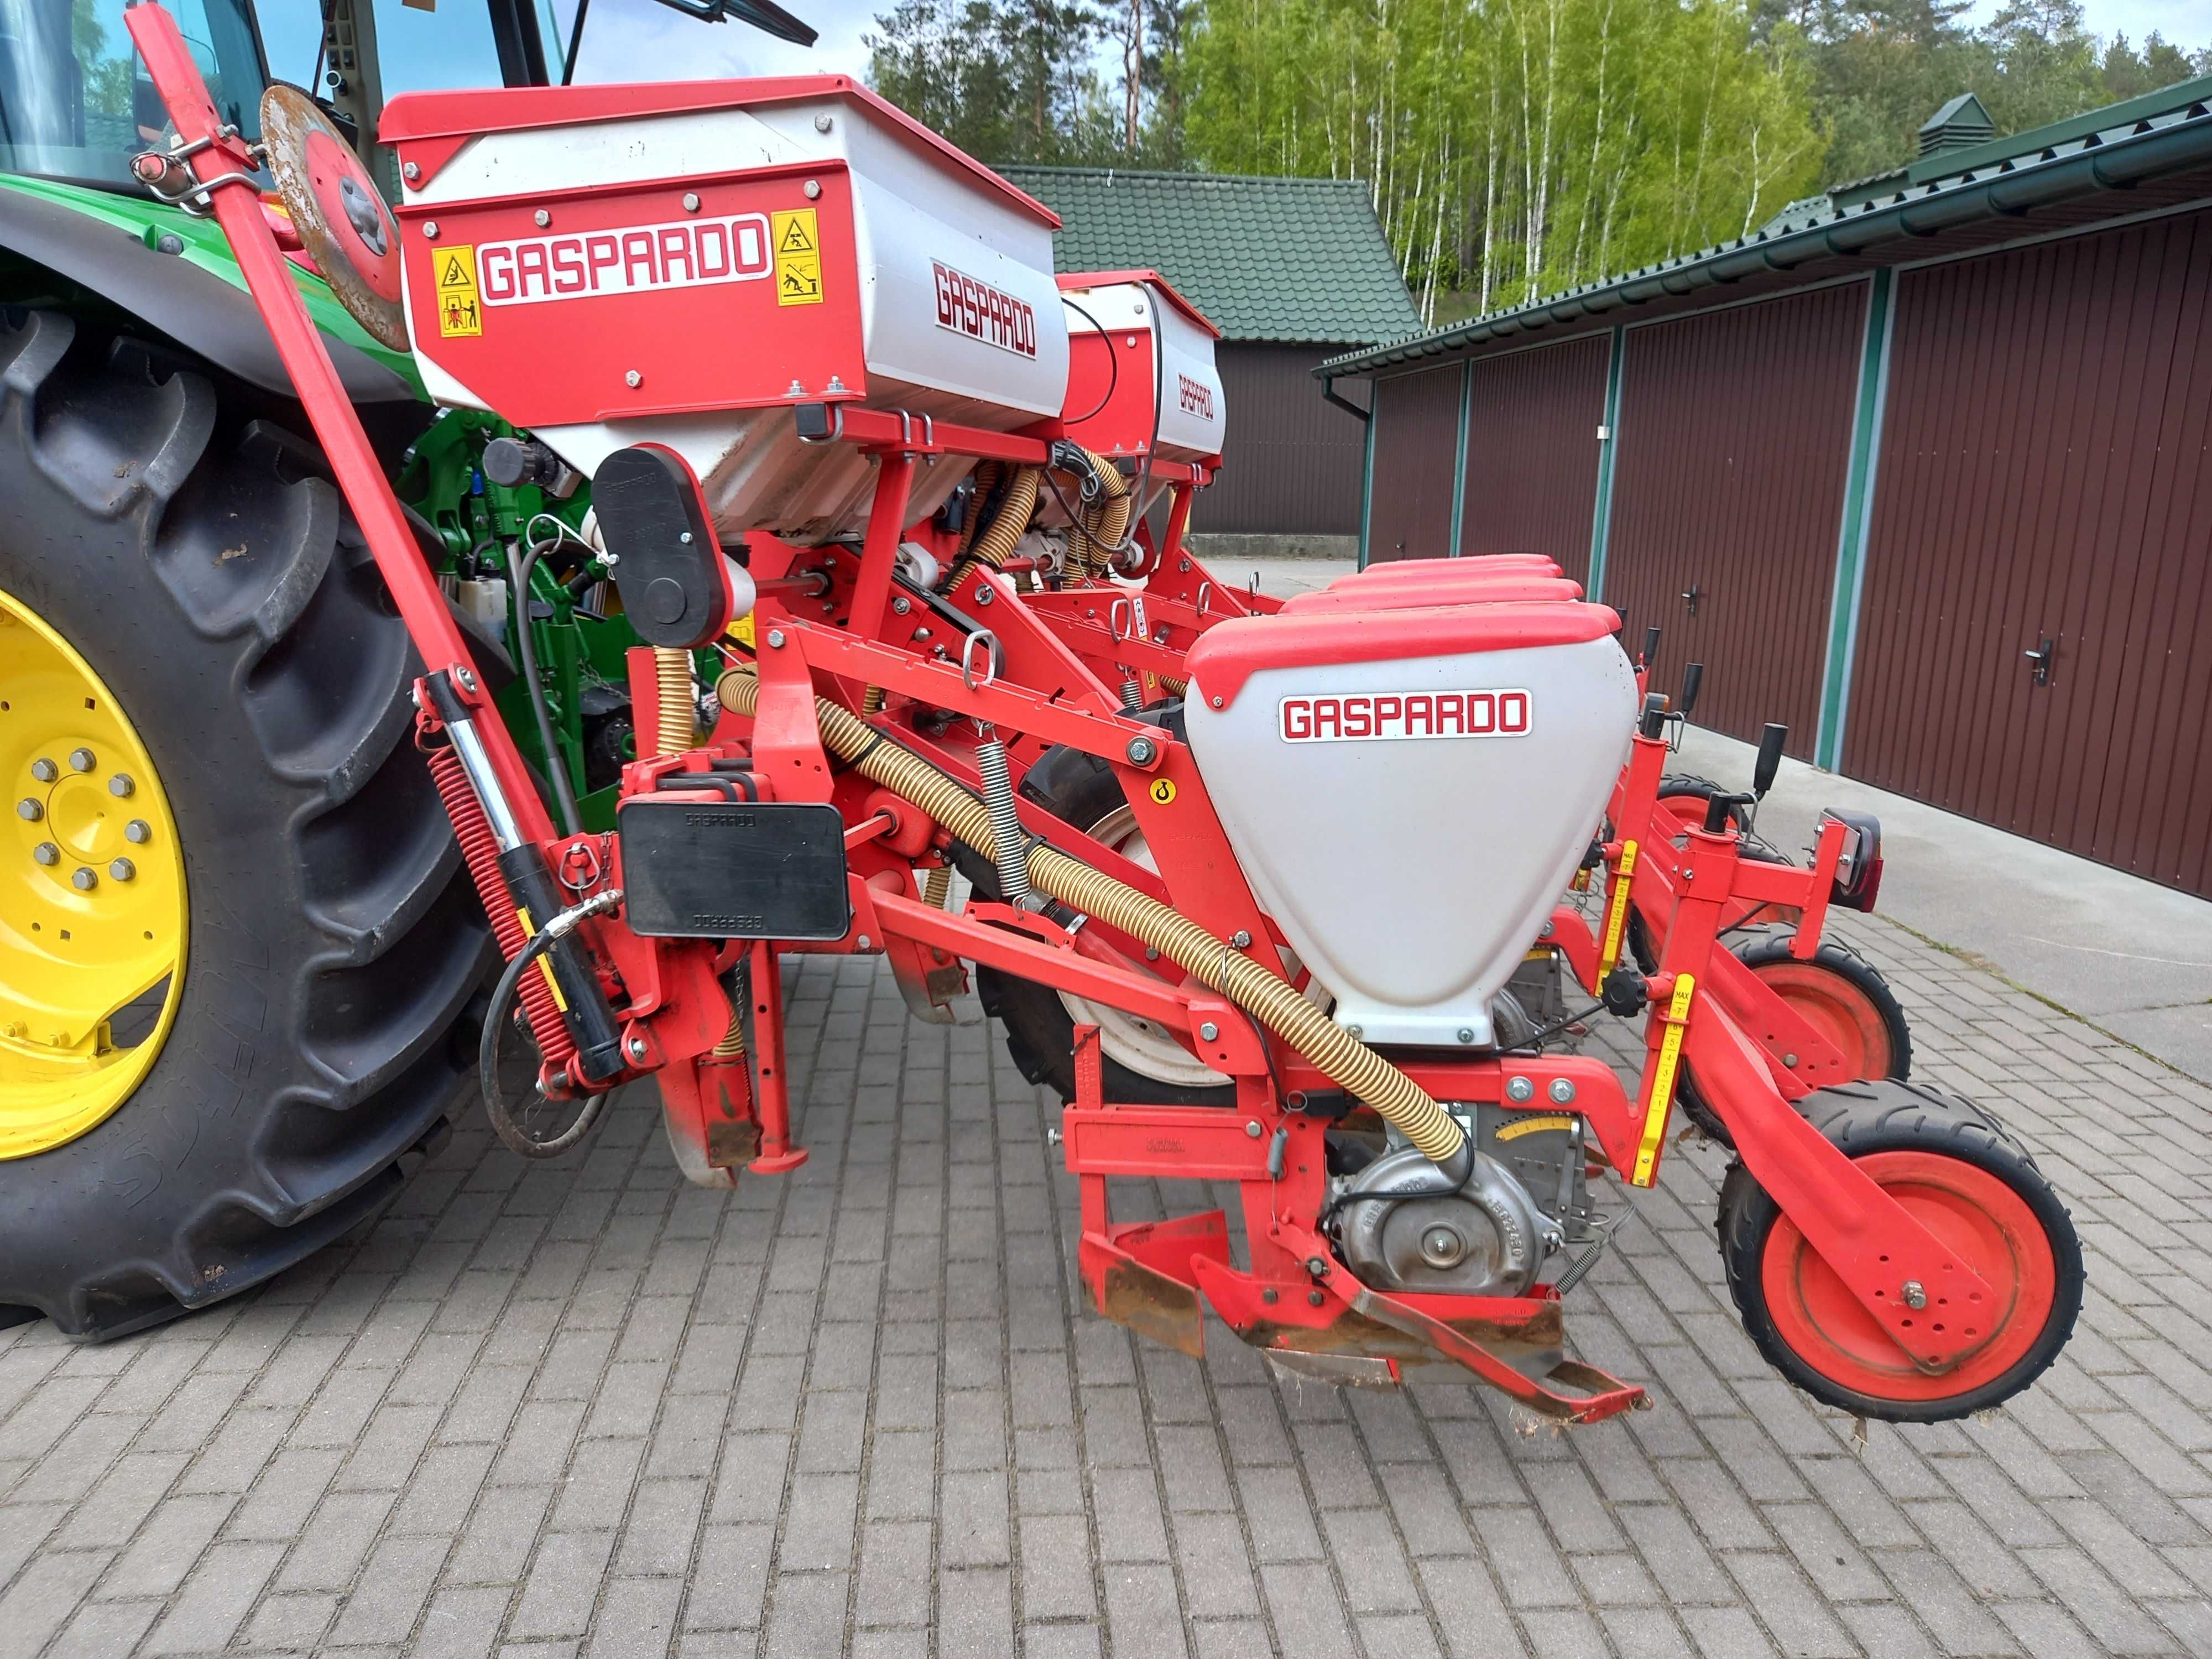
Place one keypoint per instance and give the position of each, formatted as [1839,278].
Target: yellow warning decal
[454,271]
[742,630]
[1616,916]
[1162,791]
[1536,1126]
[1661,1104]
[798,257]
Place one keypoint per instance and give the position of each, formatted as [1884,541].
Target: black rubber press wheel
[1956,1169]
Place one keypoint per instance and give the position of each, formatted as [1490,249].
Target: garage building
[1291,272]
[1920,468]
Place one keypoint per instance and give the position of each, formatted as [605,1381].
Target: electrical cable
[1113,363]
[519,564]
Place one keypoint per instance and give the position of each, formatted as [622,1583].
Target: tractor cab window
[75,101]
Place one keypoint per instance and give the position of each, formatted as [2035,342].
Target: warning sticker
[1164,790]
[798,258]
[459,308]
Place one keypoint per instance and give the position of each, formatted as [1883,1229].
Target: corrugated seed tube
[1347,1062]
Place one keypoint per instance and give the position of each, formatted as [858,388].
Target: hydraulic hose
[994,544]
[1348,1062]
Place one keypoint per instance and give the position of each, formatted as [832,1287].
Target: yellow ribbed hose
[672,736]
[1347,1062]
[994,544]
[1092,543]
[937,887]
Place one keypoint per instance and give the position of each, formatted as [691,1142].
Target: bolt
[1141,751]
[901,606]
[1562,1090]
[465,679]
[1789,1059]
[1185,565]
[862,943]
[920,634]
[46,853]
[1689,875]
[1519,1089]
[84,880]
[1915,1295]
[1152,953]
[1241,940]
[29,810]
[821,123]
[1052,1137]
[633,379]
[170,243]
[413,170]
[690,201]
[1208,1031]
[1270,1295]
[81,760]
[431,230]
[1252,1127]
[1546,932]
[138,832]
[685,537]
[1314,1298]
[983,592]
[775,639]
[810,190]
[636,1047]
[1467,1034]
[121,785]
[123,869]
[45,770]
[1217,702]
[543,217]
[1355,1031]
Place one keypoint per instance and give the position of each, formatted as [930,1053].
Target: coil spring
[1012,853]
[1132,695]
[480,852]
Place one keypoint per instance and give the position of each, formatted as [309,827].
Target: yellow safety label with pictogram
[454,270]
[798,257]
[1164,790]
[1661,1104]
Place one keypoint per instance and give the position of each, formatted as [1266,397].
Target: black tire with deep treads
[219,588]
[1892,1114]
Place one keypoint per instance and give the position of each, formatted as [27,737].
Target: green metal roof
[2154,137]
[1264,258]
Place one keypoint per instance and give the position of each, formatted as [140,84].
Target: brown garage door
[2044,477]
[1734,438]
[1532,452]
[1290,466]
[1416,429]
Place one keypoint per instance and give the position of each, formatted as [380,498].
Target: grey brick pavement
[579,1408]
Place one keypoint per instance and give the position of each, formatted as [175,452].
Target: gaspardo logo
[632,259]
[1389,716]
[983,312]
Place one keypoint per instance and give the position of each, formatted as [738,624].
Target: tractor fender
[208,316]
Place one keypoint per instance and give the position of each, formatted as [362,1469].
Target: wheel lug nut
[29,810]
[81,760]
[137,830]
[46,853]
[123,869]
[45,770]
[120,784]
[84,880]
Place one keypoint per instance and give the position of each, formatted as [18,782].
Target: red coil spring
[481,852]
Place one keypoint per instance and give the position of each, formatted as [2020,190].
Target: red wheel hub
[1839,1010]
[1971,1211]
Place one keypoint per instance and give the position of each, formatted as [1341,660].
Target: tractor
[242,967]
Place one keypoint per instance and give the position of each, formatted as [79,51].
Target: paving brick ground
[580,1408]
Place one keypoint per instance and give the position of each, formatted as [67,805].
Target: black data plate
[703,870]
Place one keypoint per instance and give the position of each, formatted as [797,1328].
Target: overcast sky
[641,40]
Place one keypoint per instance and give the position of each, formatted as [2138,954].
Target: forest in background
[1512,148]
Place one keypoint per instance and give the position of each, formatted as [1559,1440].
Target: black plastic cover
[708,870]
[668,567]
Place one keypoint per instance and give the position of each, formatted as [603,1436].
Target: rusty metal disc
[344,225]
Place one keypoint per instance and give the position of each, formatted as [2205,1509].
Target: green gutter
[1366,487]
[1601,514]
[1459,459]
[1858,511]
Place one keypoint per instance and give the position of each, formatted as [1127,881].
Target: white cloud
[640,41]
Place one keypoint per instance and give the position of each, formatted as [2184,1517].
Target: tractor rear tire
[1957,1171]
[199,565]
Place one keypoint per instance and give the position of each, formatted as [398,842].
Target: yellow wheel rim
[92,894]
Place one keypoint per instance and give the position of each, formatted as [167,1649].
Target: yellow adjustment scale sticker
[1536,1126]
[1661,1104]
[798,257]
[454,271]
[1616,917]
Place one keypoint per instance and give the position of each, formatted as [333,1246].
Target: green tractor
[242,964]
